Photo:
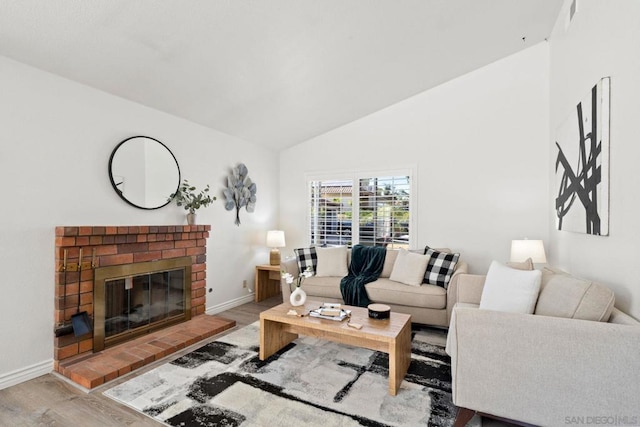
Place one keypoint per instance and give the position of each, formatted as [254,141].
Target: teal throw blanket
[366,266]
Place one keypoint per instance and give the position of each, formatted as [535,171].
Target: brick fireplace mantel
[117,245]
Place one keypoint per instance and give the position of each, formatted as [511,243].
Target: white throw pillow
[409,268]
[332,261]
[511,290]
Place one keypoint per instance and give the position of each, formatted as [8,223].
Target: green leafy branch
[188,197]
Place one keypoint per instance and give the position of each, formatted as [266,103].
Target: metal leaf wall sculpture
[240,191]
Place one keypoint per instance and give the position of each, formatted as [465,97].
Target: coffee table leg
[399,359]
[273,338]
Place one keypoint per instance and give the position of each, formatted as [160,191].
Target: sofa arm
[288,266]
[543,370]
[465,288]
[470,288]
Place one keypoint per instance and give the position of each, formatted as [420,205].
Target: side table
[267,282]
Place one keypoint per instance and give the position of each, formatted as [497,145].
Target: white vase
[298,297]
[191,218]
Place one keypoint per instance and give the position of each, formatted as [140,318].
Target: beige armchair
[543,370]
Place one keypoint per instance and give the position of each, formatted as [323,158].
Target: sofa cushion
[526,265]
[562,295]
[389,260]
[389,292]
[440,267]
[306,258]
[409,268]
[332,261]
[511,290]
[322,287]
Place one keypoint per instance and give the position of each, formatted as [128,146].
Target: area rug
[311,382]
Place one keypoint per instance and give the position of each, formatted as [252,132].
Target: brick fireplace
[103,246]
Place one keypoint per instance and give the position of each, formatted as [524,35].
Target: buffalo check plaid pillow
[306,258]
[440,267]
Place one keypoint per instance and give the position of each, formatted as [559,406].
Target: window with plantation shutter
[383,218]
[331,212]
[369,209]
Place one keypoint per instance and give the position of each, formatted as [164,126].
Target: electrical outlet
[244,283]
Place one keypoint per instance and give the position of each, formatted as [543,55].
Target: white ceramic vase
[191,218]
[298,297]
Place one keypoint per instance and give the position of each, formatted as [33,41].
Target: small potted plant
[188,197]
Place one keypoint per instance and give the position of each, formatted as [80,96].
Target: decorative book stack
[331,312]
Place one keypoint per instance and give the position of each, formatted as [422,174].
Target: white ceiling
[273,72]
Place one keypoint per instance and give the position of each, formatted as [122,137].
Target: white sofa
[427,304]
[551,368]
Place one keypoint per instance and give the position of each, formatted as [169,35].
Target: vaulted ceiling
[272,72]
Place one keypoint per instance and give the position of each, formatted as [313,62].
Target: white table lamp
[523,249]
[275,240]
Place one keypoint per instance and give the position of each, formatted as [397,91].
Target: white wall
[55,140]
[602,40]
[479,144]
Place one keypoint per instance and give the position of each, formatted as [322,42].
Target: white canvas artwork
[582,165]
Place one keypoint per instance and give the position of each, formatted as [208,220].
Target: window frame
[354,177]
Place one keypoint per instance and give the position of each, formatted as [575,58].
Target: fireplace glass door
[135,299]
[138,301]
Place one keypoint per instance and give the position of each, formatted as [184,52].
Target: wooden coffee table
[391,336]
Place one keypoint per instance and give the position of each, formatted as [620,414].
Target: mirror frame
[117,190]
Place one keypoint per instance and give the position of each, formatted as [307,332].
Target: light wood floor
[51,400]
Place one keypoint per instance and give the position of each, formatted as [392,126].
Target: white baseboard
[230,304]
[25,374]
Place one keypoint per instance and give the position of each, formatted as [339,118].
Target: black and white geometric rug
[311,382]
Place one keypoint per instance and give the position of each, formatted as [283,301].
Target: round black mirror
[144,172]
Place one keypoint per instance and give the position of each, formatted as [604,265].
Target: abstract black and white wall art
[582,165]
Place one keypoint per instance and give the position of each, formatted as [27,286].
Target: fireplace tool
[80,320]
[65,328]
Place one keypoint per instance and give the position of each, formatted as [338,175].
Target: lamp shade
[275,239]
[523,249]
